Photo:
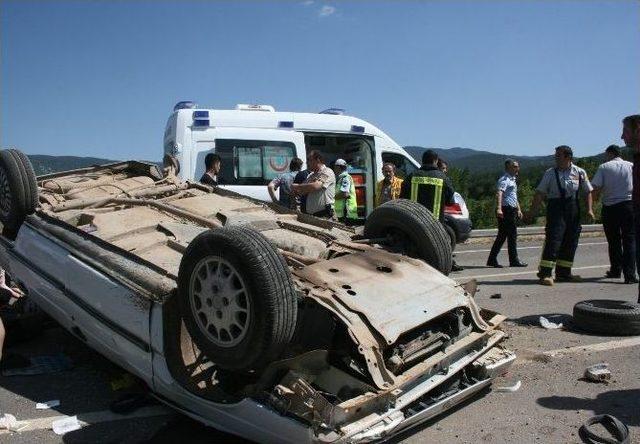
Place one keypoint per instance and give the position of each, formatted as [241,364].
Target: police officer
[429,186]
[346,205]
[561,187]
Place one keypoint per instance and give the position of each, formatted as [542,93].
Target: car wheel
[30,182]
[617,318]
[18,191]
[237,298]
[412,230]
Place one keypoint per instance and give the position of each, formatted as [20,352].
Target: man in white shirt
[319,188]
[614,182]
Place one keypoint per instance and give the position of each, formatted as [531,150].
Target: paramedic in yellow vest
[346,204]
[429,186]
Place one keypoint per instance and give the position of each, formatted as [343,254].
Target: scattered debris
[546,323]
[48,404]
[598,373]
[66,425]
[510,388]
[125,380]
[496,296]
[10,423]
[40,365]
[613,425]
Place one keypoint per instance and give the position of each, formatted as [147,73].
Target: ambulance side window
[404,166]
[253,162]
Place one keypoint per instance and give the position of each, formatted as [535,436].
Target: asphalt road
[549,407]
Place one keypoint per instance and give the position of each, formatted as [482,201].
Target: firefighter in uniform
[561,186]
[346,205]
[429,186]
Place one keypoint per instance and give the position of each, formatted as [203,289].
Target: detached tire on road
[602,316]
[237,298]
[413,231]
[18,190]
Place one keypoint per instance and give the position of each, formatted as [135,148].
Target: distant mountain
[51,164]
[479,161]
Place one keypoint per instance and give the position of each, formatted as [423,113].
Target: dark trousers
[617,221]
[561,237]
[507,230]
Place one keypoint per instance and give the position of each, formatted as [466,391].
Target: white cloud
[307,3]
[326,11]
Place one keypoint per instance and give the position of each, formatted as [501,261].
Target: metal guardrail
[593,228]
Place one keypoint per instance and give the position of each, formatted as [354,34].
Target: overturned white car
[272,325]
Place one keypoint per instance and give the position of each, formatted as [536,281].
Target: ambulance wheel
[411,230]
[237,298]
[18,190]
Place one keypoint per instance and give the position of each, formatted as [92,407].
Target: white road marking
[95,418]
[519,273]
[523,248]
[601,346]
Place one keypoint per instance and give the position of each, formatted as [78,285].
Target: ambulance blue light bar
[357,129]
[186,104]
[333,111]
[285,124]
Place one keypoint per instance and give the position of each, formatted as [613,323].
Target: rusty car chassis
[380,341]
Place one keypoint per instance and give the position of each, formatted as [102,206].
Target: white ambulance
[256,143]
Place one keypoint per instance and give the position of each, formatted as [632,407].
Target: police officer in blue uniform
[561,186]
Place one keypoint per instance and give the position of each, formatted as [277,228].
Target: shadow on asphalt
[534,320]
[511,282]
[624,404]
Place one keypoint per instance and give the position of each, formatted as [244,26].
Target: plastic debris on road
[509,388]
[47,404]
[66,425]
[598,373]
[10,423]
[546,323]
[496,296]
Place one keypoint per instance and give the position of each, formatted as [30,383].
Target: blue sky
[100,78]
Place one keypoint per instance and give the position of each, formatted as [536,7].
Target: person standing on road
[319,188]
[389,187]
[631,137]
[283,182]
[212,165]
[508,212]
[561,187]
[429,186]
[346,203]
[614,180]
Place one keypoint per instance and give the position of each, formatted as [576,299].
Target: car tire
[13,195]
[413,230]
[602,316]
[237,298]
[452,236]
[30,182]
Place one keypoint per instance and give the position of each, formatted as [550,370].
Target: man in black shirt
[212,164]
[429,186]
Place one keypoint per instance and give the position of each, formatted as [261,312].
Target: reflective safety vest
[350,202]
[432,187]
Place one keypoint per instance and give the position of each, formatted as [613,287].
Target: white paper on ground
[48,404]
[66,425]
[10,423]
[546,323]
